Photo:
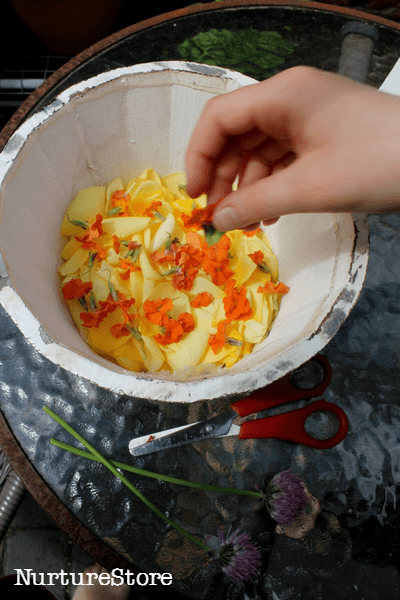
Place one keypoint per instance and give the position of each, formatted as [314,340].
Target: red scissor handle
[283,391]
[290,426]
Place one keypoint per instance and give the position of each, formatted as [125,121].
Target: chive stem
[124,480]
[159,476]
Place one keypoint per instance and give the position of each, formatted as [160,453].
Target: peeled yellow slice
[70,248]
[243,267]
[129,356]
[150,174]
[100,288]
[164,232]
[202,284]
[253,331]
[84,207]
[76,260]
[189,350]
[173,181]
[75,309]
[125,227]
[147,270]
[146,189]
[148,287]
[203,318]
[153,356]
[102,338]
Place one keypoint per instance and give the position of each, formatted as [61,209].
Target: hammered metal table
[350,548]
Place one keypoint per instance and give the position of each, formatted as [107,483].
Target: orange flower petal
[187,321]
[184,281]
[257,257]
[217,340]
[237,306]
[173,333]
[202,299]
[149,212]
[119,330]
[251,233]
[272,288]
[75,288]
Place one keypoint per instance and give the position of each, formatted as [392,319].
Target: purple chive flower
[285,497]
[238,556]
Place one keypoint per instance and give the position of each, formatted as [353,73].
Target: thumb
[264,200]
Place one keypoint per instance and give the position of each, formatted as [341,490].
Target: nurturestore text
[116,577]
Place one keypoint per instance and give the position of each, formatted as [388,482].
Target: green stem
[159,476]
[124,480]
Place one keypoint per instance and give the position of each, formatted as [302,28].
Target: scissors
[287,426]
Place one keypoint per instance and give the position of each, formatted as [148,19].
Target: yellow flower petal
[189,350]
[102,338]
[76,260]
[124,227]
[84,207]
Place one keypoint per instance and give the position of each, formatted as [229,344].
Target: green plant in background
[254,53]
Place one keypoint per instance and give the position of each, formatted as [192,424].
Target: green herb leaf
[212,235]
[263,267]
[233,341]
[133,253]
[113,291]
[114,211]
[83,224]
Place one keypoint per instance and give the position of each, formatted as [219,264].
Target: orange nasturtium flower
[120,200]
[217,341]
[99,251]
[273,288]
[120,329]
[95,231]
[93,319]
[173,332]
[199,216]
[237,306]
[216,261]
[187,321]
[202,299]
[116,244]
[115,299]
[219,272]
[183,280]
[128,267]
[257,257]
[189,256]
[154,206]
[75,288]
[155,310]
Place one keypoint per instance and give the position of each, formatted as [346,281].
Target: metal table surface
[350,547]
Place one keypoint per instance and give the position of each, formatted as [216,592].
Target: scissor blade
[218,426]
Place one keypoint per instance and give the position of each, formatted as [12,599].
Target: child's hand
[302,141]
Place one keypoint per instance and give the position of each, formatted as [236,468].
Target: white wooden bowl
[117,124]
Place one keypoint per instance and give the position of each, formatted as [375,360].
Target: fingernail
[224,218]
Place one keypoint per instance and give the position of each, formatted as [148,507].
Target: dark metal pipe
[10,498]
[358,41]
